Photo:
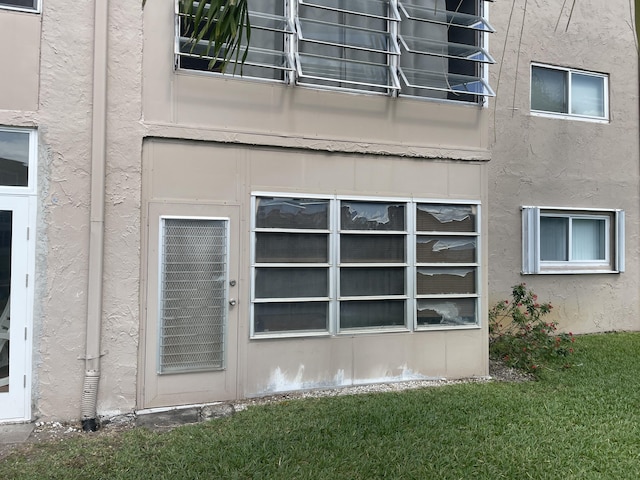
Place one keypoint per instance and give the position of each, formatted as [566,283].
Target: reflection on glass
[588,239]
[5,291]
[14,158]
[282,247]
[450,312]
[554,239]
[548,90]
[587,95]
[446,249]
[372,216]
[292,282]
[372,314]
[445,218]
[291,317]
[303,213]
[372,281]
[372,248]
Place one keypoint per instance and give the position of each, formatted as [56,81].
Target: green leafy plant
[223,25]
[521,337]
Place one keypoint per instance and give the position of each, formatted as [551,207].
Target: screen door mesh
[193,297]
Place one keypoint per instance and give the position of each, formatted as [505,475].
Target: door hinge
[26,281]
[24,381]
[27,233]
[25,333]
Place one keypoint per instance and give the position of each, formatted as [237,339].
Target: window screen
[193,295]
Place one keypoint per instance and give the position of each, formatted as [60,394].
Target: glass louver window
[268,56]
[291,265]
[442,53]
[372,265]
[446,265]
[420,48]
[193,295]
[342,266]
[346,44]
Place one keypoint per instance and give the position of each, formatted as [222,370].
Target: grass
[582,423]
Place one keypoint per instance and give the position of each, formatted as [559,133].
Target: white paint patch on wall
[281,381]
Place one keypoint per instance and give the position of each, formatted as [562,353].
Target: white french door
[15,284]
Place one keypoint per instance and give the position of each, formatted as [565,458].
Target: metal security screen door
[14,252]
[193,295]
[192,320]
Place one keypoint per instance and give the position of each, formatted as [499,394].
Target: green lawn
[581,423]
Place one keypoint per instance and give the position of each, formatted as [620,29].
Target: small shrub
[520,336]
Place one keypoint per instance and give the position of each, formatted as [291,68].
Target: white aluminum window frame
[568,75]
[37,8]
[614,241]
[411,296]
[30,189]
[294,72]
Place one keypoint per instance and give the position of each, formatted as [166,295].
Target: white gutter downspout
[96,232]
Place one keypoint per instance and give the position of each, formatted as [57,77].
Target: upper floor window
[422,48]
[31,5]
[567,92]
[17,159]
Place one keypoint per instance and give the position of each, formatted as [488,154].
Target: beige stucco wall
[20,60]
[215,175]
[59,104]
[565,163]
[382,146]
[238,110]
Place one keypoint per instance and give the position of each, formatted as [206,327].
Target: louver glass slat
[193,308]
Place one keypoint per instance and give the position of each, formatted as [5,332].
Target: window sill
[280,335]
[571,272]
[566,116]
[439,328]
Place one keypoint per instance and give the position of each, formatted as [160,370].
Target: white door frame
[15,405]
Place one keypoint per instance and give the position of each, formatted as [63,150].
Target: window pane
[446,249]
[292,282]
[435,312]
[345,50]
[548,90]
[446,218]
[554,239]
[304,213]
[371,281]
[377,313]
[266,57]
[292,248]
[372,248]
[587,95]
[372,216]
[287,317]
[30,4]
[588,239]
[439,280]
[14,158]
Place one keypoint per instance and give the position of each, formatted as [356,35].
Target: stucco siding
[563,162]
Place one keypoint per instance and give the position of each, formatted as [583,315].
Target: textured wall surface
[63,119]
[563,162]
